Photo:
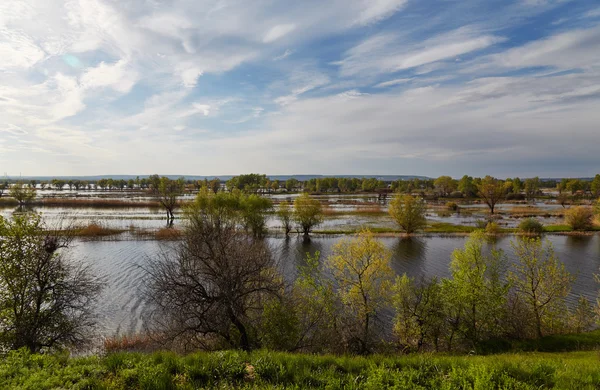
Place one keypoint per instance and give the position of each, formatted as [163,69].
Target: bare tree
[215,283]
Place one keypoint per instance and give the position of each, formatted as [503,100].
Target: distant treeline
[443,186]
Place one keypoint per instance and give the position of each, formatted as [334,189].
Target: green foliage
[253,213]
[476,292]
[45,300]
[285,214]
[579,218]
[22,193]
[492,191]
[531,226]
[542,283]
[252,182]
[363,275]
[492,228]
[308,213]
[420,316]
[408,212]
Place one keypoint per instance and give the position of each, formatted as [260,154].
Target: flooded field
[122,306]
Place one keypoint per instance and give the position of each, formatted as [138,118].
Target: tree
[46,300]
[541,282]
[307,213]
[419,312]
[491,190]
[595,186]
[214,185]
[361,269]
[476,289]
[408,212]
[445,184]
[467,187]
[253,210]
[167,192]
[285,214]
[532,186]
[214,286]
[3,187]
[22,193]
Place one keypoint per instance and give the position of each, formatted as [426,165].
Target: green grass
[271,370]
[444,227]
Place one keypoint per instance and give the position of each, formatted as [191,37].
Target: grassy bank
[269,370]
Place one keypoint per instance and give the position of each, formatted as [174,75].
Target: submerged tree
[307,213]
[46,300]
[167,191]
[492,191]
[284,213]
[22,193]
[408,212]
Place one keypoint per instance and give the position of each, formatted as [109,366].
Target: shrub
[531,226]
[579,218]
[492,228]
[456,194]
[452,206]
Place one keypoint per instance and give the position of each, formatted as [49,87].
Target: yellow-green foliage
[579,218]
[270,370]
[362,271]
[408,212]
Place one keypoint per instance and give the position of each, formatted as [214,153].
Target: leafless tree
[213,285]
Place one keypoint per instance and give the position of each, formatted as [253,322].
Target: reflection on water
[122,306]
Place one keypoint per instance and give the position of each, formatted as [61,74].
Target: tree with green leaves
[532,186]
[467,186]
[363,275]
[308,213]
[595,186]
[253,212]
[46,299]
[492,191]
[445,184]
[408,212]
[285,214]
[476,290]
[420,316]
[22,193]
[166,193]
[541,281]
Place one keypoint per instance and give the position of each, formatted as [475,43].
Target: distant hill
[386,178]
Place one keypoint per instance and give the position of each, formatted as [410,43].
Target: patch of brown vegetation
[168,234]
[96,230]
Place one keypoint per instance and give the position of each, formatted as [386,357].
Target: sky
[217,87]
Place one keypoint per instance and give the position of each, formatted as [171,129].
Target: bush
[513,196]
[531,226]
[456,194]
[492,228]
[408,212]
[579,218]
[452,206]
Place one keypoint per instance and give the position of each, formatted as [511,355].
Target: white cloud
[284,55]
[278,31]
[392,83]
[385,53]
[572,49]
[118,76]
[17,50]
[376,10]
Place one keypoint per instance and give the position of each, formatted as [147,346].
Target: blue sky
[508,88]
